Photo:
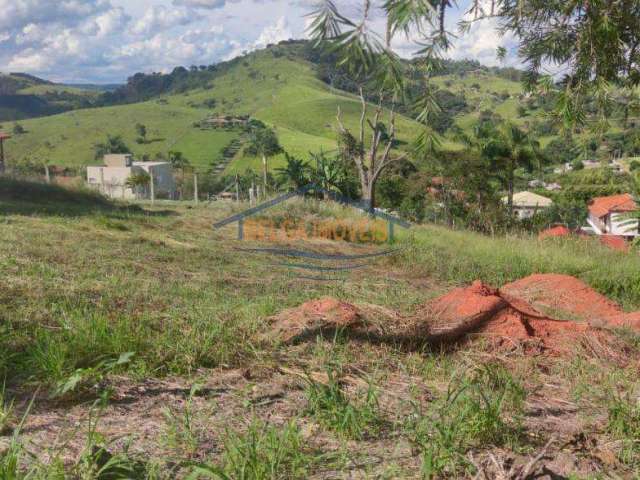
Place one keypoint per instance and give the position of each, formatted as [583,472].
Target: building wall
[620,224]
[597,223]
[111,181]
[525,212]
[164,183]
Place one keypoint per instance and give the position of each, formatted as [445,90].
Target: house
[610,216]
[111,178]
[225,121]
[527,204]
[564,168]
[226,196]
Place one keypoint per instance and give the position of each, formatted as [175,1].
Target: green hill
[287,86]
[285,93]
[25,96]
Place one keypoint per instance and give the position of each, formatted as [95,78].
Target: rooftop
[148,164]
[529,199]
[603,206]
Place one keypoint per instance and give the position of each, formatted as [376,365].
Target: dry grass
[80,289]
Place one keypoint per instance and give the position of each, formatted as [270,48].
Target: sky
[106,41]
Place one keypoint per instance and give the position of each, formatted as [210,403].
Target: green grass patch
[462,257]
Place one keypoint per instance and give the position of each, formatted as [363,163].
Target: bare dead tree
[373,157]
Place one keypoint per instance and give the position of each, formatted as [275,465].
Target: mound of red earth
[315,315]
[615,242]
[528,312]
[554,232]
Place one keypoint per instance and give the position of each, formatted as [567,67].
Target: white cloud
[111,21]
[274,33]
[481,43]
[207,4]
[159,17]
[109,40]
[15,14]
[29,61]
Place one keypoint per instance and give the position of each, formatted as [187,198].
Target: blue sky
[106,41]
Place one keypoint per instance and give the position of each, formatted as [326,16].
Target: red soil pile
[510,316]
[627,320]
[505,319]
[615,242]
[314,315]
[562,294]
[554,232]
[459,311]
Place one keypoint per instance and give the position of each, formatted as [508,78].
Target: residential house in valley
[527,204]
[111,179]
[611,216]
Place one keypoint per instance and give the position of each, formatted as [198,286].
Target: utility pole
[47,175]
[237,188]
[252,192]
[195,188]
[153,188]
[264,173]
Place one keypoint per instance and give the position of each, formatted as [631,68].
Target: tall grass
[462,257]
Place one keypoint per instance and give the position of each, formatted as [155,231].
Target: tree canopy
[590,43]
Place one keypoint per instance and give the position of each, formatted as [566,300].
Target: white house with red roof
[611,216]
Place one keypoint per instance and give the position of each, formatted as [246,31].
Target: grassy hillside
[276,85]
[24,96]
[201,384]
[282,92]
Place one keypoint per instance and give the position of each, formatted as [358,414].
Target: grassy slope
[109,278]
[283,93]
[33,92]
[124,278]
[279,91]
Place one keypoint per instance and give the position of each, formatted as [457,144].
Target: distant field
[283,93]
[69,138]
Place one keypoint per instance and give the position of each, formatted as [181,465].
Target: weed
[92,378]
[182,432]
[95,462]
[263,452]
[333,409]
[111,224]
[624,425]
[6,412]
[471,413]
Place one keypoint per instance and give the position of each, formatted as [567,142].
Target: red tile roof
[615,242]
[603,206]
